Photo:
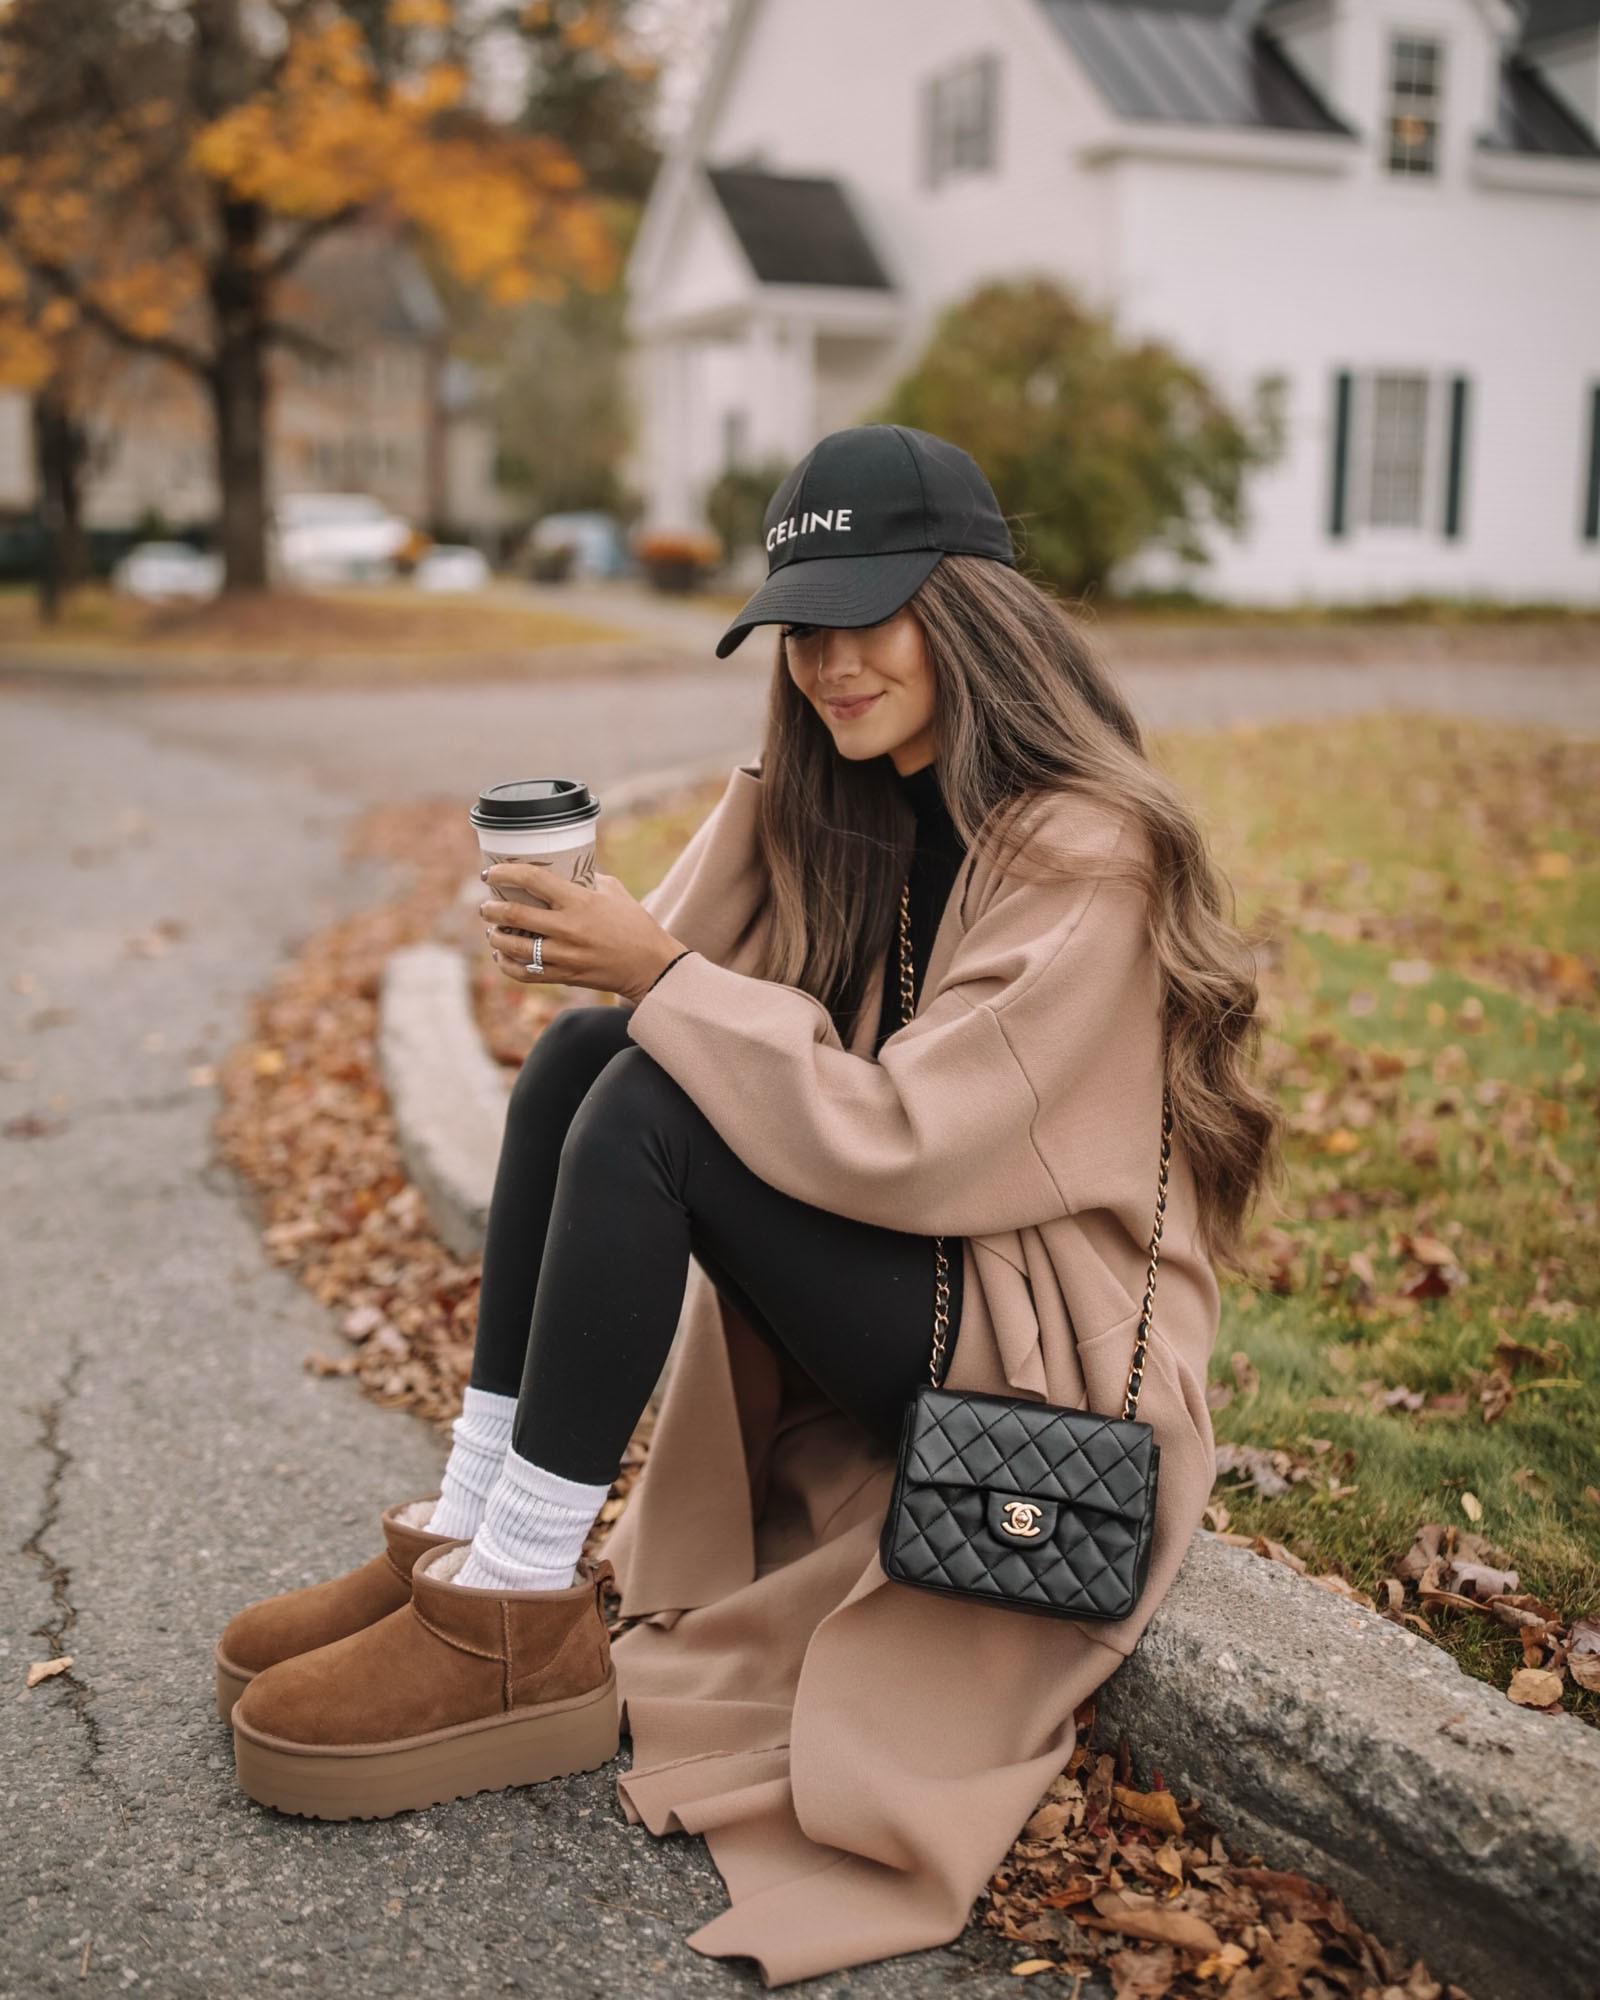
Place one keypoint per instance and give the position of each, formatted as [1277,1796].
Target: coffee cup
[549,821]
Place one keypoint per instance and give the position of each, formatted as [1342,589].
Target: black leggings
[609,1180]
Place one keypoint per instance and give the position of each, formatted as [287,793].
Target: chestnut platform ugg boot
[299,1621]
[462,1691]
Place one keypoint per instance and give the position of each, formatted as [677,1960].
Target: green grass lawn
[1428,896]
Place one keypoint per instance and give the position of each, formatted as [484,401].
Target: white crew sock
[481,1438]
[533,1530]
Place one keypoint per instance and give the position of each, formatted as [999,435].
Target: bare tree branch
[311,232]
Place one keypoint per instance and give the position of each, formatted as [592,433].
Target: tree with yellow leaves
[166,164]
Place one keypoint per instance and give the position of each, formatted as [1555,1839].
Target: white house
[1392,204]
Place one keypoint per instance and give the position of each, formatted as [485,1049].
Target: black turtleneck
[935,863]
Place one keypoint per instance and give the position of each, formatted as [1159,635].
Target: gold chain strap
[941,1261]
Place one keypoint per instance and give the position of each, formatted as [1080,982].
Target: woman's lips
[846,708]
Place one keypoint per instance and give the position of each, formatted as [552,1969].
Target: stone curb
[1321,1736]
[445,1090]
[1351,1750]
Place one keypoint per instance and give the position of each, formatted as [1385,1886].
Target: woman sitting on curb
[898,1030]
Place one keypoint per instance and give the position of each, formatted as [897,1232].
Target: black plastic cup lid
[527,804]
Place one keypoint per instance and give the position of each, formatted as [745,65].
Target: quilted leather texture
[1091,1482]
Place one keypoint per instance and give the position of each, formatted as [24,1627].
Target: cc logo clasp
[1021,1519]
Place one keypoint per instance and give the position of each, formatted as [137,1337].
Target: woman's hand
[600,937]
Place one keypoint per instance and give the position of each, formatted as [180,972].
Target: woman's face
[871,684]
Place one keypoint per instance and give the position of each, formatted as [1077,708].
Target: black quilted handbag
[1023,1504]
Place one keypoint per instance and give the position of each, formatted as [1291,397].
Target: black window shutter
[1339,490]
[1456,459]
[1591,500]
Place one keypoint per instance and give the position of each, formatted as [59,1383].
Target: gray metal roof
[1544,20]
[1530,118]
[797,230]
[1189,64]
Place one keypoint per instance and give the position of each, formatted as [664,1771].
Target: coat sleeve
[964,1124]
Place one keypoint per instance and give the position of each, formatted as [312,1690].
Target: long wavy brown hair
[1023,708]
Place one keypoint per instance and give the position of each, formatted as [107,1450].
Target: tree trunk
[61,451]
[241,305]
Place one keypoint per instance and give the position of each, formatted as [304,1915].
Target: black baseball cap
[859,525]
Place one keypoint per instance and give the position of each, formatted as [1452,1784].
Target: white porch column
[670,494]
[781,372]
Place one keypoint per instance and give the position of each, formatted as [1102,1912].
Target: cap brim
[833,590]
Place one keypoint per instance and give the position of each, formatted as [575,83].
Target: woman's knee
[632,1101]
[570,1053]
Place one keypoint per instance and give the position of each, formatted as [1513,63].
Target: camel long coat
[860,1755]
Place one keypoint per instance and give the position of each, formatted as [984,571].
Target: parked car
[337,538]
[596,544]
[448,566]
[154,571]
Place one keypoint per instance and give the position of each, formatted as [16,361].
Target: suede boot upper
[300,1621]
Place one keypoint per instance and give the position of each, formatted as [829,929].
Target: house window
[1415,76]
[1397,450]
[961,121]
[1400,446]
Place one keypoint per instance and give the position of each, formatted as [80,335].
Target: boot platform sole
[231,1683]
[376,1781]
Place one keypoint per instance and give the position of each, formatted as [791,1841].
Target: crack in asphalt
[55,1629]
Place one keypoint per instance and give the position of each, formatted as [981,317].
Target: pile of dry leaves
[1139,1887]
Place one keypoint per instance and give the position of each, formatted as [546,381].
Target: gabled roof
[1543,20]
[1191,62]
[797,229]
[1530,118]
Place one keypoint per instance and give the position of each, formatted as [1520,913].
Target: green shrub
[1097,447]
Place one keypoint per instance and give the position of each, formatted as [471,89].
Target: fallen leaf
[1157,1809]
[1534,1484]
[1341,1140]
[1586,1635]
[44,1670]
[1245,1373]
[1159,1923]
[1534,1687]
[1472,1506]
[1222,1962]
[1552,865]
[1454,1402]
[268,1062]
[1218,1396]
[1266,1470]
[1496,1395]
[1431,1250]
[1025,1968]
[1140,1975]
[1285,1959]
[1585,1671]
[1480,1580]
[33,1125]
[1410,971]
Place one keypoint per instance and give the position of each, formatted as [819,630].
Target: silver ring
[536,957]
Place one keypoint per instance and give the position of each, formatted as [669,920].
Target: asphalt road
[164,1457]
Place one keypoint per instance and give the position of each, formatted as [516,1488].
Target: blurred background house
[1391,205]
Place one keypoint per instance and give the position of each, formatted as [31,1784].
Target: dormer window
[961,121]
[1415,83]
